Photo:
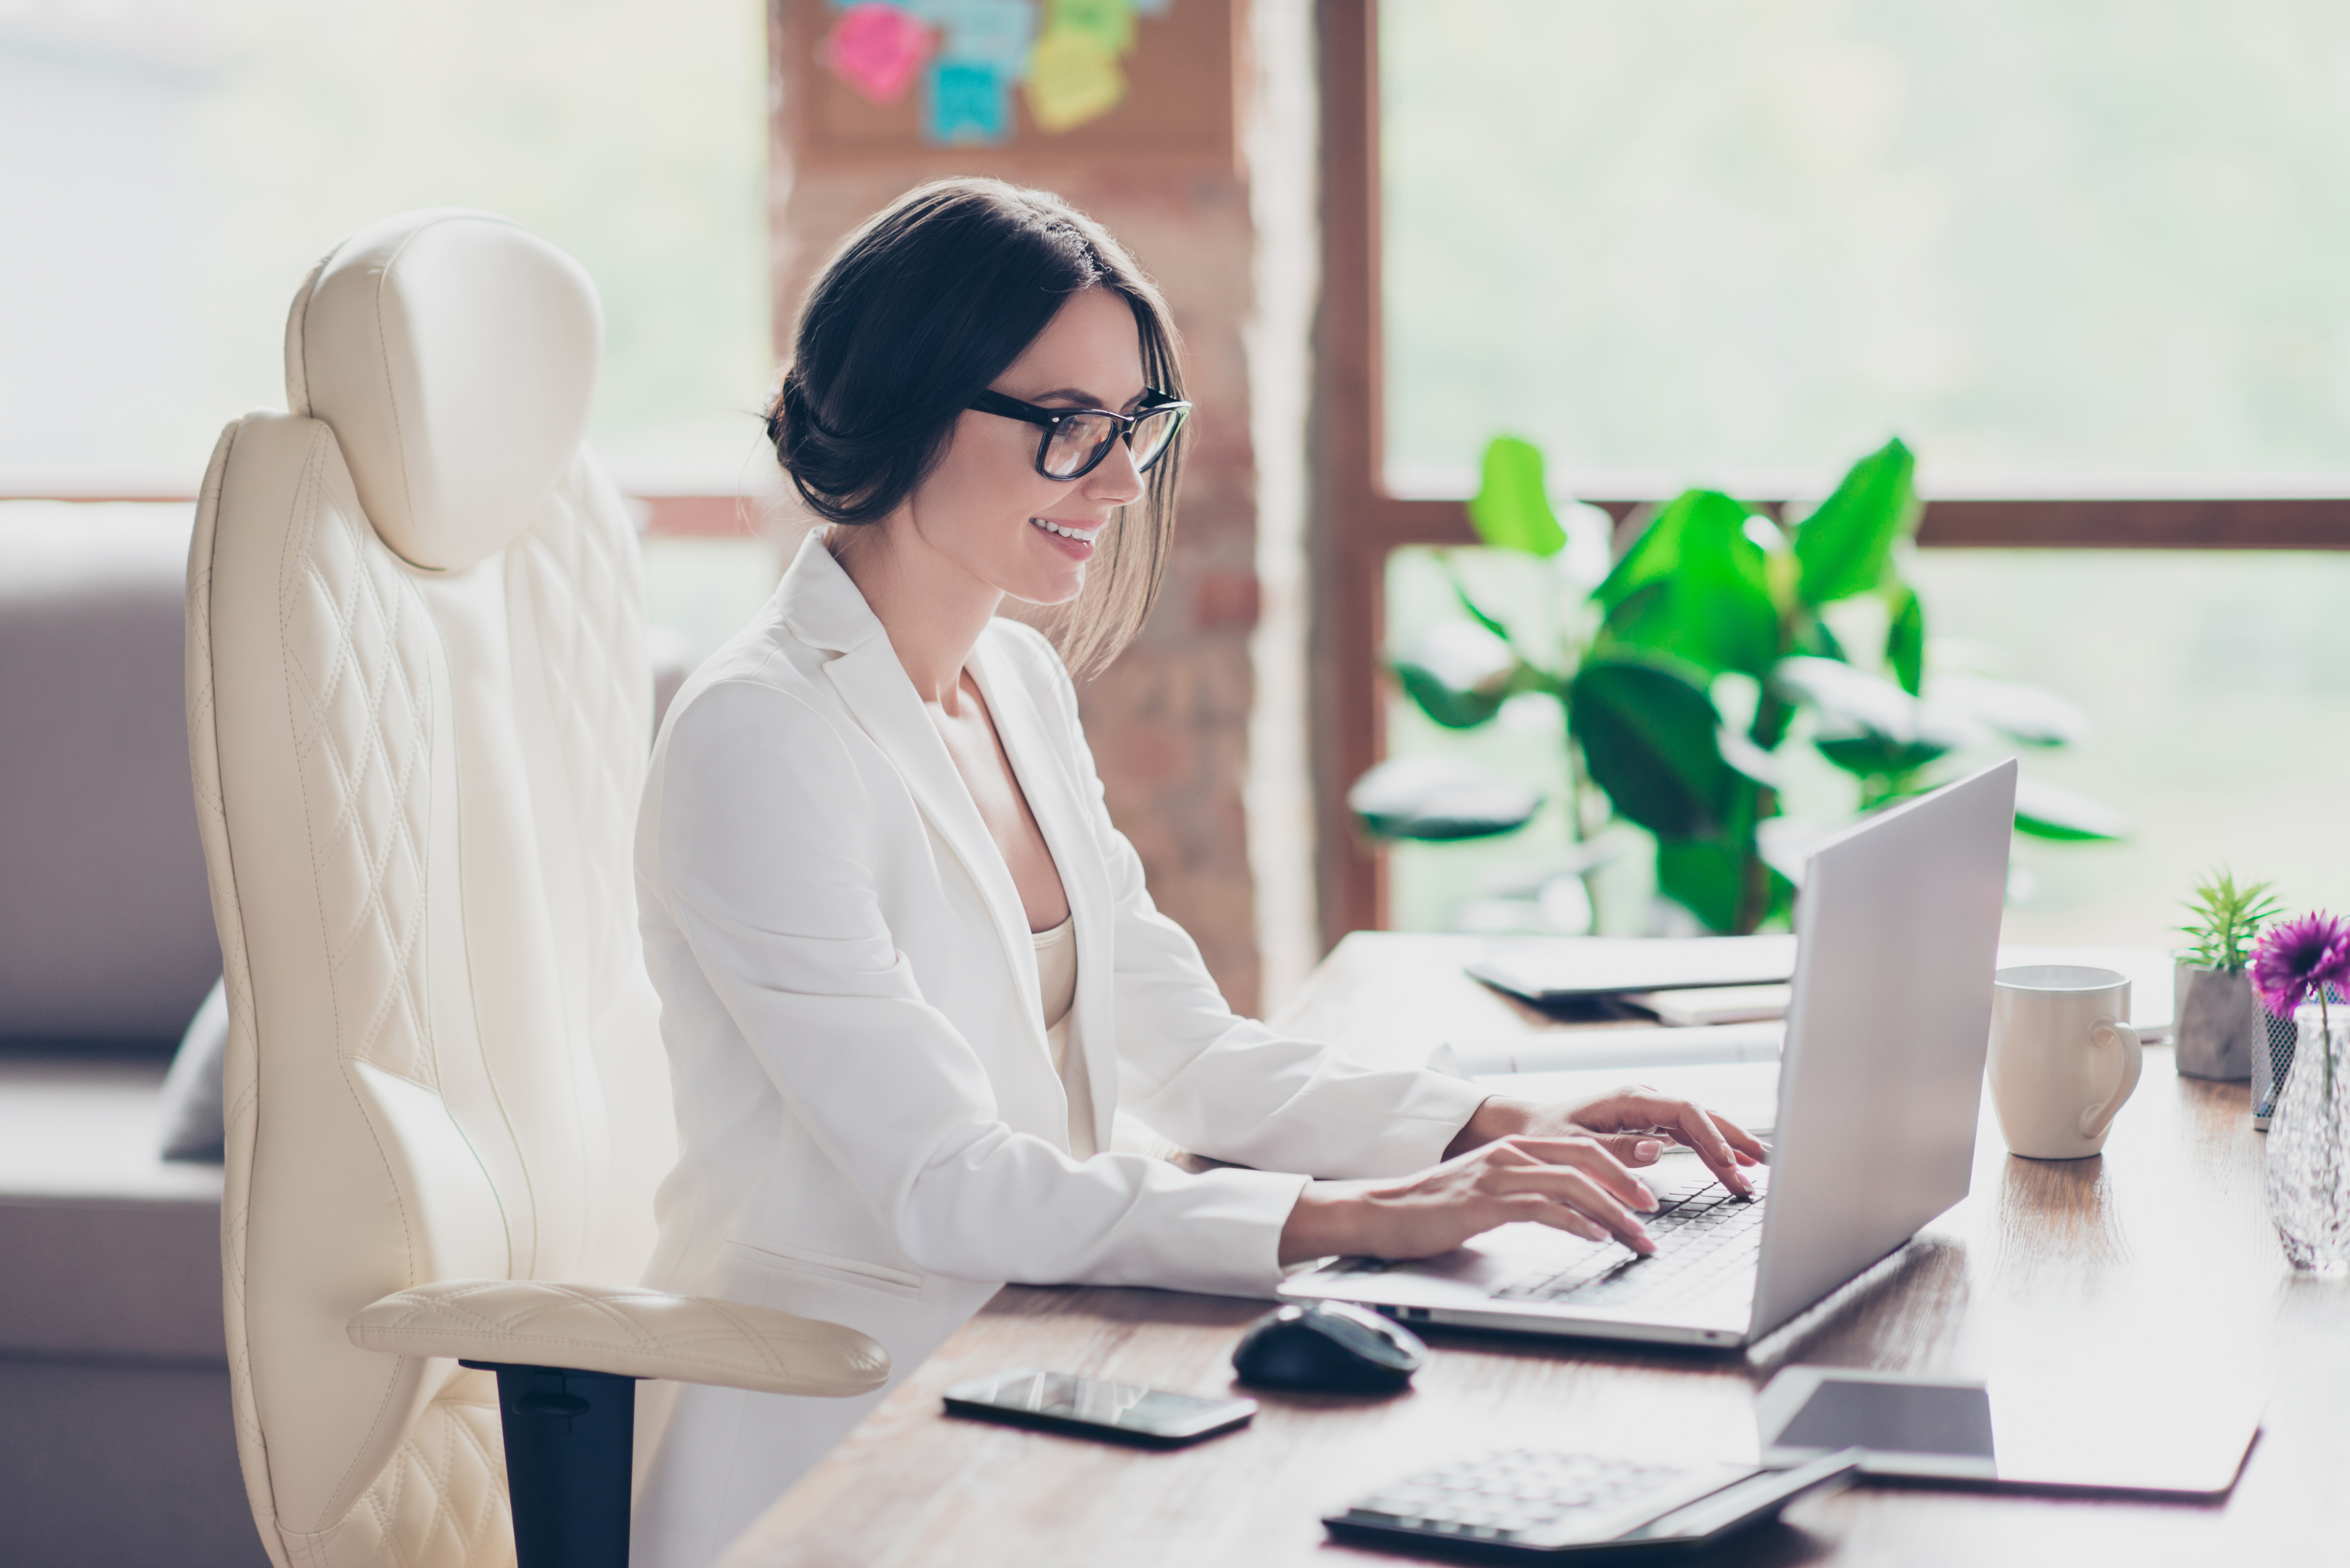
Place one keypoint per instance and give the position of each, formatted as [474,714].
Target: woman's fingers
[1576,1190]
[1541,1210]
[1632,1149]
[1593,1156]
[1751,1150]
[1698,1128]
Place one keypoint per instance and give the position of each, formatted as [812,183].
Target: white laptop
[1880,1084]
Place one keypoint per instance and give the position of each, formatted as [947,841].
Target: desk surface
[2155,1255]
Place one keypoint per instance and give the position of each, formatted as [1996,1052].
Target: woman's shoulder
[754,684]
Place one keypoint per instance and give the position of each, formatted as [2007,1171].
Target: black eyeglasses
[1077,440]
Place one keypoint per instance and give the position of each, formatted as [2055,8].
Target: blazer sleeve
[1227,1086]
[766,862]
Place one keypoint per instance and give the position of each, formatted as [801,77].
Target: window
[177,166]
[2085,245]
[2082,259]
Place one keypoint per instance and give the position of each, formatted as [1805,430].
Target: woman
[908,966]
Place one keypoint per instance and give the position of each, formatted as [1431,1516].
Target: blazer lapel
[1047,777]
[875,686]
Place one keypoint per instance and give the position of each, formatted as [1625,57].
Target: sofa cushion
[107,1249]
[106,925]
[189,1113]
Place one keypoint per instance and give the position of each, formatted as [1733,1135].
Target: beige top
[1056,979]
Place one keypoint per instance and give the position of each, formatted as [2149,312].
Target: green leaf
[1650,740]
[1437,799]
[1477,612]
[1448,706]
[1708,877]
[1812,639]
[1511,509]
[1459,674]
[1847,544]
[2025,714]
[1695,586]
[1867,725]
[1700,875]
[1905,638]
[1872,755]
[2045,811]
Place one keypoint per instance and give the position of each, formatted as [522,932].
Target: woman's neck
[933,608]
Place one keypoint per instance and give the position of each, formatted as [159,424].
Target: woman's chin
[1049,583]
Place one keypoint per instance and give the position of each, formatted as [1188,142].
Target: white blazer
[870,1128]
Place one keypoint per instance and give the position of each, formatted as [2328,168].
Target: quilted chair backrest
[419,707]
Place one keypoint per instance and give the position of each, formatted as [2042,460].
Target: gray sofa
[116,1448]
[115,1442]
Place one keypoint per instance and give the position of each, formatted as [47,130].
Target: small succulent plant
[2224,918]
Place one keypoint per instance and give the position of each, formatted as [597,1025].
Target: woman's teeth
[1081,535]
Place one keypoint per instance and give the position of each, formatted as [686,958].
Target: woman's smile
[1073,539]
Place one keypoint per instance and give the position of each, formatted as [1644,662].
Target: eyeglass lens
[1080,441]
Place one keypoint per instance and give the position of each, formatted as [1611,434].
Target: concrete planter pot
[2218,1022]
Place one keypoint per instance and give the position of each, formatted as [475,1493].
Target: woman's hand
[1571,1183]
[1629,1122]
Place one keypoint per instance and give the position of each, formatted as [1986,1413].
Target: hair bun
[823,467]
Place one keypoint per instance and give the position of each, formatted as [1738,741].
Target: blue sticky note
[986,32]
[966,103]
[1151,7]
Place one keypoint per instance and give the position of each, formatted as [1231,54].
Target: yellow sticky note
[1111,21]
[1072,78]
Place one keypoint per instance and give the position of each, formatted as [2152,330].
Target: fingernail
[1647,1195]
[1646,1149]
[1641,1244]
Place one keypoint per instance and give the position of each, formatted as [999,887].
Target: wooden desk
[2157,1249]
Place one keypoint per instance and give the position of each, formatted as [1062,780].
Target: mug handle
[2106,1031]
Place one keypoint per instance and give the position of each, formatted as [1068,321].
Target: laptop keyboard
[1705,1238]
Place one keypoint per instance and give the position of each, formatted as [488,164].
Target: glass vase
[2309,1147]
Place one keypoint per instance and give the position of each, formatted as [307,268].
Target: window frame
[1356,521]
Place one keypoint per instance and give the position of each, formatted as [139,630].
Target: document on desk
[1732,1069]
[1549,970]
[1577,1050]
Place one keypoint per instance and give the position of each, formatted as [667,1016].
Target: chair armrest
[625,1331]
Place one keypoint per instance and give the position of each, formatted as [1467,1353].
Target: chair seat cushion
[112,1251]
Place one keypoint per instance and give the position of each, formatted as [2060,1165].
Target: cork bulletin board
[1012,81]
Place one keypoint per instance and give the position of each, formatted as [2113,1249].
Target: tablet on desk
[2163,1432]
[1553,970]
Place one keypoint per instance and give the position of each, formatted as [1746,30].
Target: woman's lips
[1078,549]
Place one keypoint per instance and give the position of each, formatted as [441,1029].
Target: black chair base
[570,1437]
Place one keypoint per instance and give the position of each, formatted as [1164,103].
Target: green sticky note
[1110,21]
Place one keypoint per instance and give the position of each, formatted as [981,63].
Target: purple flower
[2293,962]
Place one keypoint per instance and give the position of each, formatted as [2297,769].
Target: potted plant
[1701,658]
[2218,1020]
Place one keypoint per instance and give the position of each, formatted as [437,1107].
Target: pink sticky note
[877,48]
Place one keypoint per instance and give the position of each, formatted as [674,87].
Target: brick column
[1169,722]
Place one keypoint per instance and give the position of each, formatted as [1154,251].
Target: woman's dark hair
[916,314]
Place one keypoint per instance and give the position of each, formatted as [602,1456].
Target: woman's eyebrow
[1081,398]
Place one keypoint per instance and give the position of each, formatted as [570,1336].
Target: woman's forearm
[1329,1221]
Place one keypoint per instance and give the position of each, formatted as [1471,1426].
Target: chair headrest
[454,354]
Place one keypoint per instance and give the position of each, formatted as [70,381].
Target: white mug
[2062,1060]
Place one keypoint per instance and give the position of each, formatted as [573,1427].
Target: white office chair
[419,709]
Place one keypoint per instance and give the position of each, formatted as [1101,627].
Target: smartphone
[1126,1412]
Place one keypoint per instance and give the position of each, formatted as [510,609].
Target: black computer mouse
[1329,1348]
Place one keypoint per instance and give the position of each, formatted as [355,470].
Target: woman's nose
[1116,481]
